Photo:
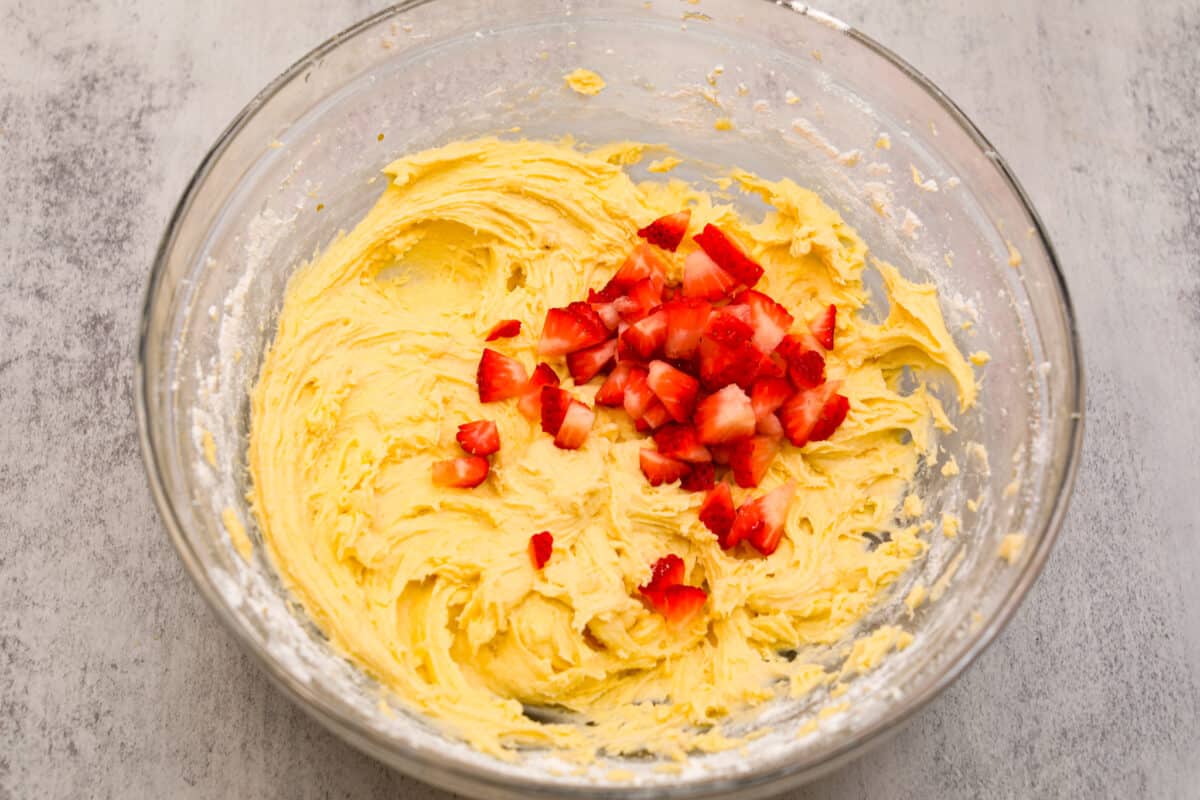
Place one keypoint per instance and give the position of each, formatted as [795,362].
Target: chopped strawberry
[479,438]
[676,389]
[587,363]
[773,366]
[814,414]
[686,318]
[721,364]
[769,425]
[667,232]
[769,319]
[530,404]
[806,366]
[572,328]
[761,521]
[725,416]
[499,377]
[683,443]
[703,279]
[555,402]
[575,427]
[655,416]
[641,263]
[721,453]
[730,325]
[462,473]
[700,478]
[607,312]
[646,337]
[505,329]
[751,458]
[638,395]
[729,255]
[768,394]
[716,512]
[541,545]
[659,469]
[682,604]
[667,571]
[823,327]
[612,391]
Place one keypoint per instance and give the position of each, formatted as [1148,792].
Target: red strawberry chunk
[703,279]
[761,521]
[667,232]
[682,604]
[806,366]
[638,395]
[479,438]
[721,453]
[768,394]
[499,377]
[555,402]
[659,469]
[728,254]
[505,329]
[700,478]
[641,263]
[676,389]
[751,458]
[607,312]
[541,545]
[770,425]
[686,319]
[588,363]
[612,391]
[668,571]
[725,416]
[683,443]
[572,328]
[655,416]
[646,338]
[530,404]
[716,512]
[721,364]
[462,473]
[575,427]
[730,325]
[769,319]
[823,327]
[814,414]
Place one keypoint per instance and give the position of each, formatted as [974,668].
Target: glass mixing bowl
[809,99]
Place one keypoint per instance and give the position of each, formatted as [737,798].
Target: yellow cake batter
[432,589]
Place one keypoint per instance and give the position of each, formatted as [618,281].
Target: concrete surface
[116,680]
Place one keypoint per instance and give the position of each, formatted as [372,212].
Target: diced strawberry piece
[555,402]
[572,328]
[638,395]
[462,473]
[676,389]
[683,443]
[667,232]
[716,512]
[721,365]
[607,312]
[721,453]
[751,458]
[686,319]
[642,298]
[730,325]
[646,337]
[700,478]
[761,521]
[769,319]
[479,438]
[612,391]
[703,279]
[530,404]
[814,414]
[806,366]
[682,604]
[641,263]
[772,366]
[659,469]
[823,327]
[768,394]
[499,377]
[655,416]
[769,425]
[505,329]
[575,427]
[541,546]
[588,363]
[667,571]
[728,254]
[725,416]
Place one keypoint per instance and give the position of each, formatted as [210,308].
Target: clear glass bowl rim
[452,776]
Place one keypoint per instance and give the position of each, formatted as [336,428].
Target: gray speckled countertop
[115,678]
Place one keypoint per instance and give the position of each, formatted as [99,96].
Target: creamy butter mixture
[432,589]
